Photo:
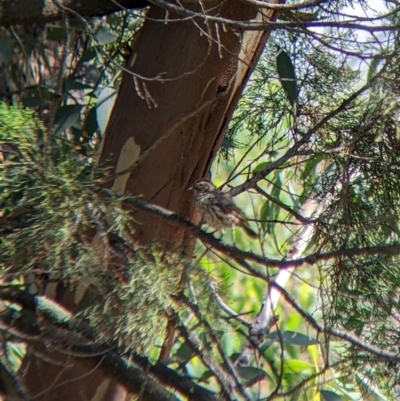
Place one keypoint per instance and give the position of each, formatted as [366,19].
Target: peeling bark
[179,121]
[167,124]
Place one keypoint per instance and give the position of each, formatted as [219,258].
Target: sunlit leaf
[297,366]
[105,36]
[206,375]
[261,166]
[294,198]
[15,354]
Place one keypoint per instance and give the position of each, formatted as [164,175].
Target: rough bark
[166,132]
[38,11]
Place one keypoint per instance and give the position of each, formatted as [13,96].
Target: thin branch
[32,328]
[343,335]
[281,205]
[241,256]
[293,151]
[256,25]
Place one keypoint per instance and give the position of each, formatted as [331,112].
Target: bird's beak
[190,189]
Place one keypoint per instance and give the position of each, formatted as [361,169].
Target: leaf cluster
[56,227]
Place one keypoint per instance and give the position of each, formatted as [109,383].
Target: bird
[217,208]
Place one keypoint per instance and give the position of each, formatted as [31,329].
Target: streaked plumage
[217,208]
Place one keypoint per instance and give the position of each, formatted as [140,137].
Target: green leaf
[234,357]
[104,36]
[67,116]
[88,55]
[274,209]
[251,372]
[76,85]
[293,197]
[266,345]
[327,395]
[297,366]
[206,375]
[292,338]
[373,67]
[264,213]
[93,74]
[261,166]
[184,352]
[287,75]
[15,354]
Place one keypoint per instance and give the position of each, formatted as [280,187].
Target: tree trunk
[167,125]
[170,129]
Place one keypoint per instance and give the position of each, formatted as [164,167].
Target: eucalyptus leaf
[327,395]
[67,116]
[287,75]
[373,67]
[264,213]
[184,352]
[261,166]
[251,372]
[88,55]
[292,338]
[93,74]
[297,366]
[105,36]
[76,85]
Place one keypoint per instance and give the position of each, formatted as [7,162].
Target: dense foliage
[316,130]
